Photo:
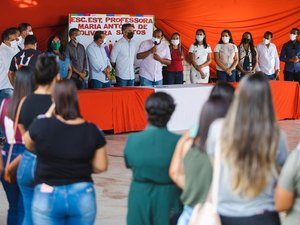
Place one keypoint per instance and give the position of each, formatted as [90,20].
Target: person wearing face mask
[26,57]
[153,55]
[123,56]
[55,48]
[226,57]
[268,60]
[25,29]
[290,54]
[76,52]
[247,57]
[175,69]
[7,52]
[99,64]
[200,55]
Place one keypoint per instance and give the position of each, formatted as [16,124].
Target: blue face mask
[78,39]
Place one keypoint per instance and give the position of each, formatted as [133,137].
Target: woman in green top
[153,196]
[191,168]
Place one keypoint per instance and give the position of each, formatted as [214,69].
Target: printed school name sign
[111,24]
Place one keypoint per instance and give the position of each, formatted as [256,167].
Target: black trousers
[268,218]
[77,82]
[291,76]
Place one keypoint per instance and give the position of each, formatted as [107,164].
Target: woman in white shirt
[200,55]
[226,57]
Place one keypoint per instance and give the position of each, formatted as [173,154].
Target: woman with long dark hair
[45,73]
[190,167]
[247,56]
[200,56]
[68,150]
[226,57]
[23,86]
[252,148]
[55,48]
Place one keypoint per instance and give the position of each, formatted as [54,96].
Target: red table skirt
[118,109]
[122,109]
[286,99]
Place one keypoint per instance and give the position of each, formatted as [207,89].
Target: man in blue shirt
[290,54]
[99,64]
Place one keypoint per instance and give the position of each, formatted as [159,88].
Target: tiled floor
[112,186]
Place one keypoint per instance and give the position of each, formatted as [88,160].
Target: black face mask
[130,35]
[246,40]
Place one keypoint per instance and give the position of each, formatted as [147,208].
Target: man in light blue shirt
[123,56]
[99,64]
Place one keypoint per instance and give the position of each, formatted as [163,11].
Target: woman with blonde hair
[252,148]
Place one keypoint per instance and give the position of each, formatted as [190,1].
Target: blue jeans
[175,77]
[98,84]
[73,204]
[222,76]
[123,83]
[185,216]
[146,82]
[25,178]
[15,202]
[271,76]
[4,93]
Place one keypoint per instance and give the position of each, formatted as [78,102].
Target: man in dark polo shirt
[77,55]
[290,54]
[26,57]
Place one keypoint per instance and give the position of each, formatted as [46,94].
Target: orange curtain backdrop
[184,16]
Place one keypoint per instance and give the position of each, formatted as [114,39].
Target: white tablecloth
[189,100]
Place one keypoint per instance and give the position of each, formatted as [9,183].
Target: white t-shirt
[227,53]
[201,54]
[6,55]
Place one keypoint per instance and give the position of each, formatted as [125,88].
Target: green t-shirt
[290,181]
[198,176]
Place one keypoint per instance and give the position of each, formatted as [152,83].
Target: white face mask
[293,37]
[225,39]
[199,37]
[14,44]
[175,42]
[30,33]
[78,39]
[104,41]
[156,41]
[266,41]
[20,41]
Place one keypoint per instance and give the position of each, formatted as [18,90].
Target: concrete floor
[112,186]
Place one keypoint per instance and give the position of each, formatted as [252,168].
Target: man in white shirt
[123,55]
[8,49]
[153,54]
[25,29]
[268,59]
[99,65]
